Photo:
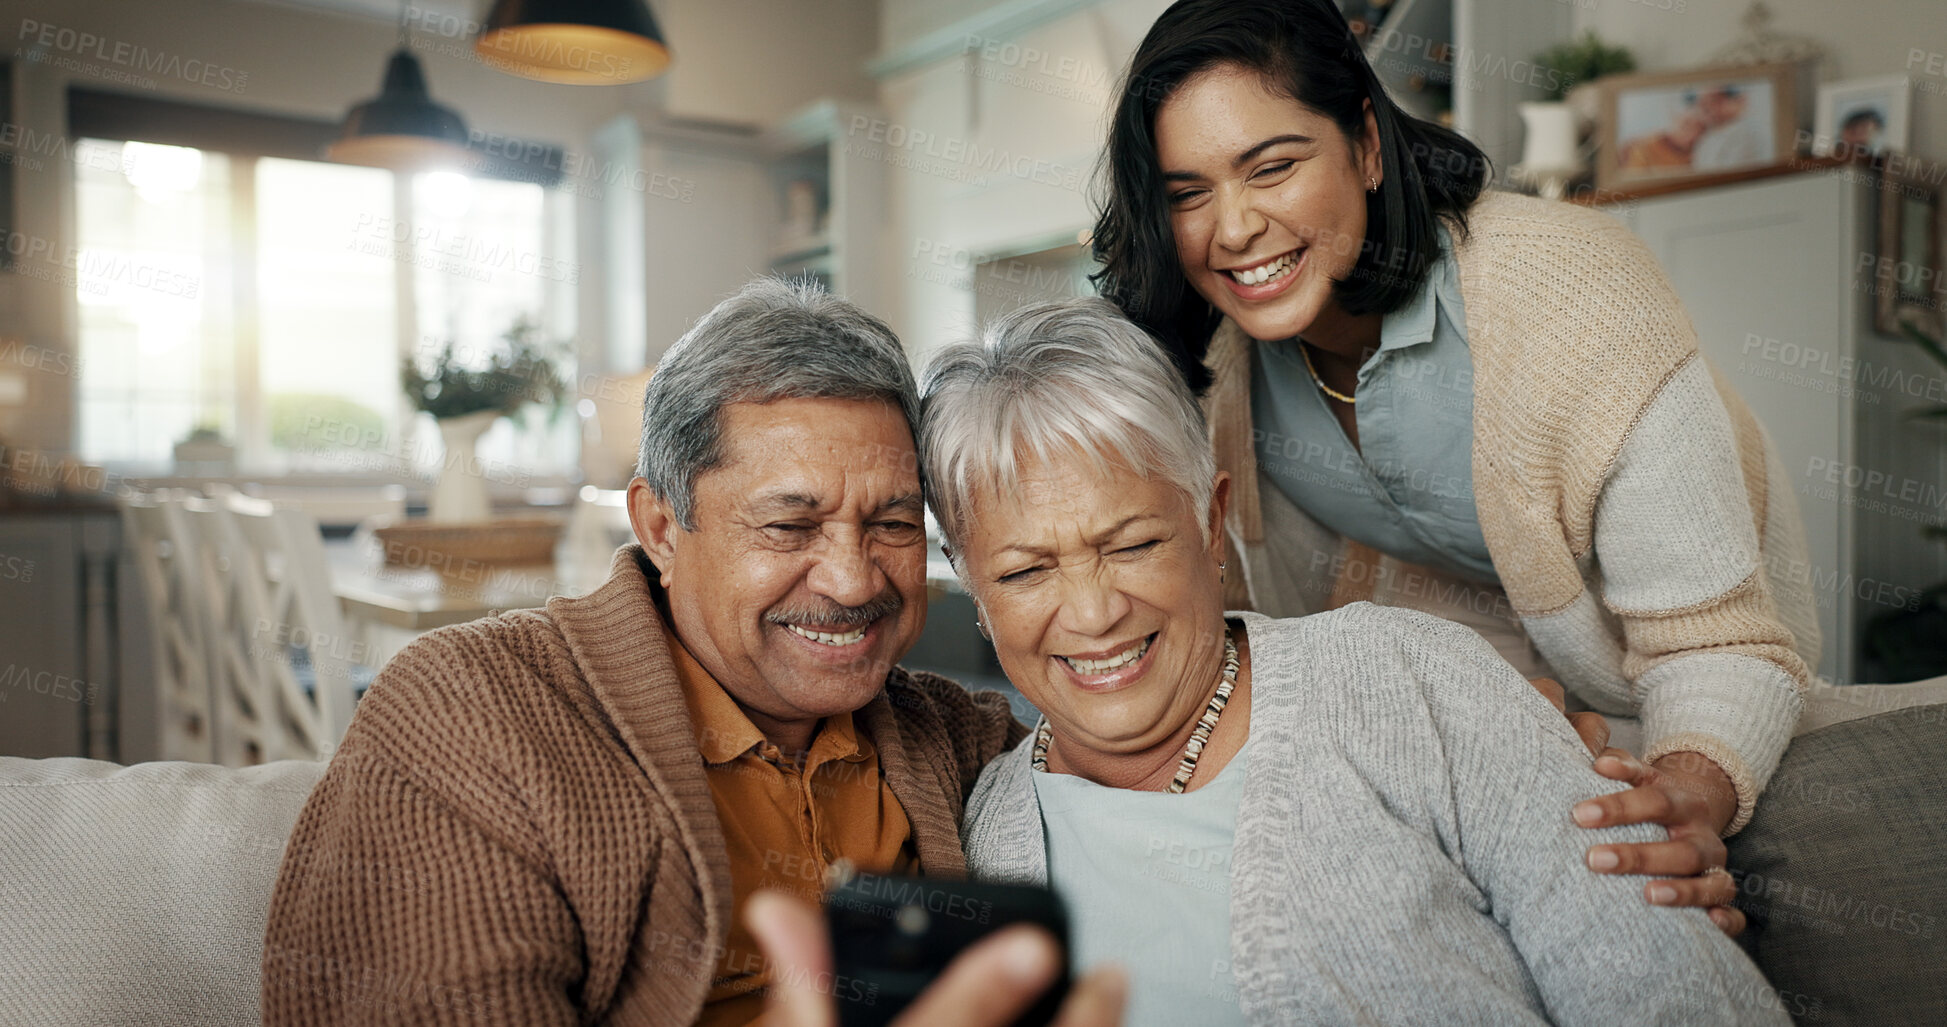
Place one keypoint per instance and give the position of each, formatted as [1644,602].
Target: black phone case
[892,936]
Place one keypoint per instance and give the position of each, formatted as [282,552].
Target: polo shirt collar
[724,732]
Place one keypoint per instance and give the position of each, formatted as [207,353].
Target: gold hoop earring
[1372,184]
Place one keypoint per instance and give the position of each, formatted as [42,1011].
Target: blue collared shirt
[1408,491]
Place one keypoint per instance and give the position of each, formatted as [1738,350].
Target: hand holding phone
[894,936]
[990,984]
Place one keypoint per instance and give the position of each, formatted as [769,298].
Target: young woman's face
[1266,198]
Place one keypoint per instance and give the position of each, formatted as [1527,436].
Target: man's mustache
[827,614]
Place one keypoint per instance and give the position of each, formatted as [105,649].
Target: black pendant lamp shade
[577,42]
[402,128]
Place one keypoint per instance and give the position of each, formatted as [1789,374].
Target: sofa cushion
[137,895]
[1843,871]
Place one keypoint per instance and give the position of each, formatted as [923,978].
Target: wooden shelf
[1594,196]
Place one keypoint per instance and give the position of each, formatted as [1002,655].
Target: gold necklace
[1305,351]
[1043,734]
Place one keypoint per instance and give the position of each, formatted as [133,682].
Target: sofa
[138,895]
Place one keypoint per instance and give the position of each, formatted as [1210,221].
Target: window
[271,301]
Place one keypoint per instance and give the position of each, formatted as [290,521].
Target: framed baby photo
[1670,126]
[1863,116]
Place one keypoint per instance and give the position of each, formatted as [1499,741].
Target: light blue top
[1146,876]
[1411,494]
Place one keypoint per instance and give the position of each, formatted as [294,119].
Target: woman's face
[1103,598]
[1266,198]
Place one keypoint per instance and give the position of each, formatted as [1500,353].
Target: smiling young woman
[1426,393]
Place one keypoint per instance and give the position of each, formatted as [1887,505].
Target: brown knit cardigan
[517,828]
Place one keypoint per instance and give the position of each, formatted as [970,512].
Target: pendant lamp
[575,42]
[402,128]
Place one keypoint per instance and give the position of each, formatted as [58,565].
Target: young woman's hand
[1686,793]
[1693,800]
[987,986]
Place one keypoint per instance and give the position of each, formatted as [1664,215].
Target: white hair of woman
[1049,378]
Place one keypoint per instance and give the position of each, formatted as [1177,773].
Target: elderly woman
[1350,817]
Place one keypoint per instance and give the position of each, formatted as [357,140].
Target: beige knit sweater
[1638,519]
[517,828]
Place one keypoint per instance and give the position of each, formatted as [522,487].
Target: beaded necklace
[1198,738]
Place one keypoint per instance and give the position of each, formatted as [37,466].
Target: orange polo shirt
[785,821]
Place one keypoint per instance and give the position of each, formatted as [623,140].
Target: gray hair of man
[774,339]
[1047,381]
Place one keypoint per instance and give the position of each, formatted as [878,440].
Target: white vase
[1548,156]
[460,493]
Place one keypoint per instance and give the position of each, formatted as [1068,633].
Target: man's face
[805,579]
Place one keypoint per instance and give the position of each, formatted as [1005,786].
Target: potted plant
[204,452]
[1551,156]
[466,397]
[1934,348]
[1911,644]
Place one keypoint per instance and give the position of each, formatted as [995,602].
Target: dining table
[392,604]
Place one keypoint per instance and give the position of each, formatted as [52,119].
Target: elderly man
[552,816]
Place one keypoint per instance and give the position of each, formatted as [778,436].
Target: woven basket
[503,542]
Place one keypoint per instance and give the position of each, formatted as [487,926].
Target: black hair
[1865,114]
[1305,50]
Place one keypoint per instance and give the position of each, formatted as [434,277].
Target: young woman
[1487,406]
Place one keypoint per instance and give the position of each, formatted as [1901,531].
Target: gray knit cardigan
[1404,851]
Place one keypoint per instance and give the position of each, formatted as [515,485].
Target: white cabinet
[1775,276]
[60,647]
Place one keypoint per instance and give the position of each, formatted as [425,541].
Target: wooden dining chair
[287,668]
[163,552]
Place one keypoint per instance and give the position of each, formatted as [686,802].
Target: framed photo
[1686,124]
[1907,276]
[1862,116]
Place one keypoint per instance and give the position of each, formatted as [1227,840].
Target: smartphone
[892,936]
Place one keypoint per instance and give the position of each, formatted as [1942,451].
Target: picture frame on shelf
[1668,127]
[1863,116]
[1909,274]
